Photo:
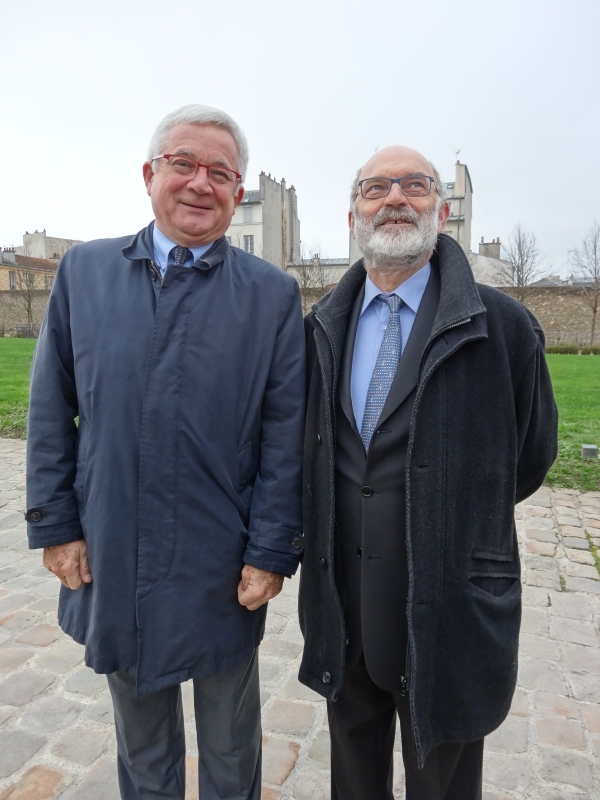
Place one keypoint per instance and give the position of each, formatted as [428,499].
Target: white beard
[396,249]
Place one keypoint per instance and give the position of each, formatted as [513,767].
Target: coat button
[326,677]
[367,491]
[297,543]
[319,440]
[35,516]
[359,552]
[323,563]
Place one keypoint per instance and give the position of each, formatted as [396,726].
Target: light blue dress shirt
[162,247]
[373,318]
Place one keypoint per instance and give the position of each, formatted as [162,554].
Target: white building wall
[39,245]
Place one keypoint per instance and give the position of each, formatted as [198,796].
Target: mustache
[395,215]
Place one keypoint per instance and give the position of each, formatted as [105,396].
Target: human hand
[257,587]
[69,562]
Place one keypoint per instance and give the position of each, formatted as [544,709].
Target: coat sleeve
[276,541]
[537,421]
[52,511]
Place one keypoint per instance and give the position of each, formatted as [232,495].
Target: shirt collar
[162,246]
[410,292]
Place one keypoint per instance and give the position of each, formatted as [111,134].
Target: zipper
[155,272]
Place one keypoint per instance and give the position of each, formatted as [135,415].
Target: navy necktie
[385,368]
[180,255]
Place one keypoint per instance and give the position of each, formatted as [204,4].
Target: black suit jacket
[371,507]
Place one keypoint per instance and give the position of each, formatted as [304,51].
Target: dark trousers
[362,724]
[151,739]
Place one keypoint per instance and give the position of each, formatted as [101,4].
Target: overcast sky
[317,86]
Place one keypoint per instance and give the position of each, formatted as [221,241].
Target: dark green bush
[565,349]
[591,350]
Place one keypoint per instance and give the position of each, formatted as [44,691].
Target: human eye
[220,175]
[182,165]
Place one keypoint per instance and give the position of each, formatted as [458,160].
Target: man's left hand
[258,587]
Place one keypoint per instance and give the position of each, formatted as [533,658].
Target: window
[247,210]
[249,244]
[48,282]
[12,280]
[228,240]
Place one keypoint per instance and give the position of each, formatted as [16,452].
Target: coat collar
[459,297]
[141,247]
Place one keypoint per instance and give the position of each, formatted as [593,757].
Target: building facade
[40,245]
[459,196]
[266,222]
[19,273]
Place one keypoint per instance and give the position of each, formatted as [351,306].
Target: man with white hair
[430,413]
[164,452]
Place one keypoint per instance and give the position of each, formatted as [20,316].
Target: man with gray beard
[429,414]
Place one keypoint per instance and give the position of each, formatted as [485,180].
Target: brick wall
[561,310]
[13,312]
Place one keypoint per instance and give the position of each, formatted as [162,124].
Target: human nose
[200,182]
[395,198]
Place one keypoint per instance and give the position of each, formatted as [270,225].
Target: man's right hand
[69,562]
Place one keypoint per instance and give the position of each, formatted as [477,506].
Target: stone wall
[562,311]
[13,311]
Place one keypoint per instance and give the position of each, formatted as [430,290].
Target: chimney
[490,249]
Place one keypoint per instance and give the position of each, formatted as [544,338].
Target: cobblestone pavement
[56,732]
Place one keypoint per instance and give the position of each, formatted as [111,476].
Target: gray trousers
[151,738]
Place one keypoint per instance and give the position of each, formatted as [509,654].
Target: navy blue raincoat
[186,462]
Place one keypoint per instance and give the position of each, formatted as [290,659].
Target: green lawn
[576,381]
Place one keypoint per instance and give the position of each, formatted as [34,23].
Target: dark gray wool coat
[186,461]
[482,437]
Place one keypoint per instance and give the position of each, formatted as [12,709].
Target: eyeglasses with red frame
[188,167]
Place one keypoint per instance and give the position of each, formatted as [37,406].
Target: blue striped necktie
[180,255]
[385,368]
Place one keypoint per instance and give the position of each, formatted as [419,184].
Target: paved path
[56,732]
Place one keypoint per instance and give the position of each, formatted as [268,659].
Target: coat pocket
[80,483]
[494,575]
[246,467]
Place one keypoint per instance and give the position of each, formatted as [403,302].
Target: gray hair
[195,114]
[439,186]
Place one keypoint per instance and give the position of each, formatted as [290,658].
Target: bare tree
[27,282]
[313,274]
[524,260]
[587,260]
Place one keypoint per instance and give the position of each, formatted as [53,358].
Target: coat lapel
[347,356]
[407,375]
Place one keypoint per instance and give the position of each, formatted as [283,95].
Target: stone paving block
[294,688]
[565,508]
[81,746]
[51,714]
[279,759]
[564,795]
[292,632]
[275,623]
[572,522]
[61,658]
[266,794]
[577,544]
[495,796]
[6,575]
[571,530]
[19,621]
[540,548]
[518,706]
[542,578]
[13,602]
[580,556]
[49,588]
[311,784]
[556,705]
[12,657]
[5,713]
[534,674]
[535,596]
[511,736]
[591,716]
[582,571]
[101,711]
[85,681]
[580,658]
[582,585]
[17,747]
[45,604]
[265,696]
[191,778]
[585,687]
[100,784]
[542,500]
[539,647]
[9,557]
[575,606]
[320,749]
[573,630]
[536,511]
[289,718]
[506,772]
[270,671]
[592,523]
[10,520]
[22,687]
[539,523]
[41,636]
[570,768]
[535,621]
[549,537]
[560,733]
[38,783]
[187,700]
[280,648]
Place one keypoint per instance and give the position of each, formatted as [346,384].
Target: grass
[576,381]
[15,360]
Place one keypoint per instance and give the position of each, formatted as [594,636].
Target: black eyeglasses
[410,186]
